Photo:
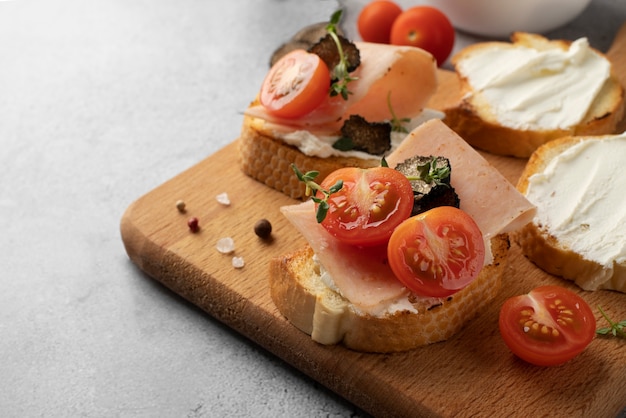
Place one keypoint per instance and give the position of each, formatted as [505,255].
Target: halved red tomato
[295,85]
[369,206]
[548,326]
[437,252]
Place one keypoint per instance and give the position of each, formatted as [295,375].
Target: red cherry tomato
[437,252]
[369,206]
[548,326]
[427,28]
[295,85]
[375,21]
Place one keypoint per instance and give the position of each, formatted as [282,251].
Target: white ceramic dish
[499,18]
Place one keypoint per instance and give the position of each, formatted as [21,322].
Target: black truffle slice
[327,50]
[430,180]
[361,135]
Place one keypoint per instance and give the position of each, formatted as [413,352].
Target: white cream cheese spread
[533,89]
[322,146]
[580,200]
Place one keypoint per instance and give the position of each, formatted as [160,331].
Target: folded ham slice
[495,205]
[384,69]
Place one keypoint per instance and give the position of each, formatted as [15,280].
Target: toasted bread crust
[473,119]
[300,296]
[544,250]
[268,160]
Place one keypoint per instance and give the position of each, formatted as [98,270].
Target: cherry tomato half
[295,85]
[437,252]
[427,28]
[375,21]
[548,326]
[369,206]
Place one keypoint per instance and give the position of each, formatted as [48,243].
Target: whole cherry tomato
[427,28]
[437,252]
[295,85]
[375,20]
[548,326]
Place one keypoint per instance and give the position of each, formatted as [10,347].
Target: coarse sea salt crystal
[238,262]
[223,199]
[225,245]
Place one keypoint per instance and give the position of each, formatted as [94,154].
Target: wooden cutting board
[472,374]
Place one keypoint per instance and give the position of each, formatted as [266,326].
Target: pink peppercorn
[193,224]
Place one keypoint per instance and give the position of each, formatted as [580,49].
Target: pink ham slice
[496,206]
[410,74]
[493,202]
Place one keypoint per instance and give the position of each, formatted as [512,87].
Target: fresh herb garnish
[344,144]
[396,124]
[340,73]
[430,173]
[617,329]
[308,179]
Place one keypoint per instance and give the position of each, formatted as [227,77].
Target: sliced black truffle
[360,135]
[303,39]
[430,180]
[326,49]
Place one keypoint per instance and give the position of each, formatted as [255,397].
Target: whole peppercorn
[193,225]
[263,228]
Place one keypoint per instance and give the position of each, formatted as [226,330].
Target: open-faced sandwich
[402,255]
[579,232]
[520,95]
[336,104]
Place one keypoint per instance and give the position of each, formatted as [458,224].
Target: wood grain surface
[472,374]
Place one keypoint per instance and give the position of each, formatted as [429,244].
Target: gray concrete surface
[100,102]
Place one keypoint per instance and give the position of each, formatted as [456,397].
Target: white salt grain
[226,245]
[223,199]
[238,262]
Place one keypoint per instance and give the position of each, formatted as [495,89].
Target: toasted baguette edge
[310,306]
[544,250]
[473,119]
[268,160]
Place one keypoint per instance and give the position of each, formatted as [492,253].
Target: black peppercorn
[263,228]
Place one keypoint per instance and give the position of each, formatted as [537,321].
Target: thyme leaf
[397,125]
[617,329]
[312,188]
[429,173]
[340,73]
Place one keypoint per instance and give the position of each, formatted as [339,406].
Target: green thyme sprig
[397,125]
[429,173]
[312,187]
[617,329]
[340,73]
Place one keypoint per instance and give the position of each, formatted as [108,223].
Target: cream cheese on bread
[580,203]
[321,145]
[537,88]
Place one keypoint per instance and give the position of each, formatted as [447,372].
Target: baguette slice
[478,121]
[357,314]
[579,257]
[311,306]
[404,76]
[268,159]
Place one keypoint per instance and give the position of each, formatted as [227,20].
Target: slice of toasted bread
[312,307]
[571,255]
[478,122]
[268,159]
